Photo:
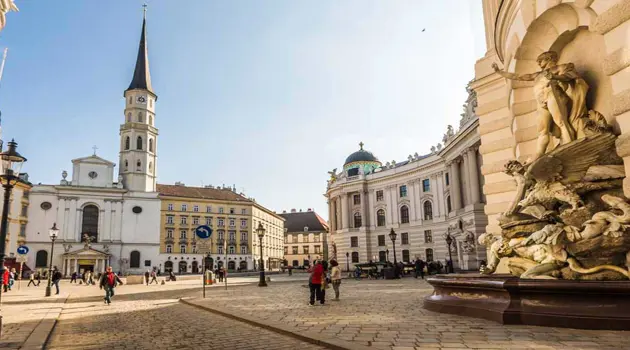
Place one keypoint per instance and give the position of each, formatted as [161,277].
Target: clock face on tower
[141,99]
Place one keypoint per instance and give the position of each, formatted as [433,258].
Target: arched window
[355,257]
[449,207]
[231,265]
[126,164]
[139,165]
[404,214]
[380,217]
[428,211]
[139,142]
[150,167]
[243,265]
[41,259]
[382,256]
[90,222]
[183,266]
[127,142]
[150,120]
[429,253]
[129,99]
[405,255]
[140,119]
[357,220]
[168,266]
[129,117]
[195,267]
[150,145]
[134,260]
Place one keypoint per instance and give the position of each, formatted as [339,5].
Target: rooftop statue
[5,7]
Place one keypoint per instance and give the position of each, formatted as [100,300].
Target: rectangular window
[243,236]
[182,234]
[305,249]
[23,230]
[355,257]
[244,211]
[243,223]
[231,249]
[184,220]
[208,221]
[295,239]
[428,238]
[221,223]
[196,208]
[295,250]
[405,255]
[232,222]
[220,210]
[184,207]
[220,249]
[169,248]
[170,207]
[169,233]
[316,238]
[448,182]
[169,219]
[231,210]
[195,220]
[286,250]
[381,240]
[220,235]
[317,248]
[182,249]
[426,185]
[357,199]
[243,249]
[208,209]
[404,237]
[305,238]
[354,242]
[379,195]
[429,253]
[403,191]
[194,249]
[232,235]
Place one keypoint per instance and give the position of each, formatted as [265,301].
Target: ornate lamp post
[11,164]
[449,241]
[347,262]
[261,233]
[392,236]
[387,255]
[53,233]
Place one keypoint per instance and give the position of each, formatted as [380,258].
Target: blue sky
[267,95]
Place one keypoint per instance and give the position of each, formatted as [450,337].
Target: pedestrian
[153,277]
[419,267]
[335,277]
[73,277]
[90,278]
[38,277]
[146,277]
[31,280]
[5,279]
[109,280]
[56,278]
[315,285]
[12,276]
[325,281]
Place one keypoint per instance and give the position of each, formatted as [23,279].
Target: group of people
[152,275]
[321,278]
[86,278]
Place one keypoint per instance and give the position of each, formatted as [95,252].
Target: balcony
[244,242]
[183,224]
[169,240]
[220,241]
[169,224]
[232,242]
[183,240]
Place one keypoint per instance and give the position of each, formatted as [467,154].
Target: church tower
[138,134]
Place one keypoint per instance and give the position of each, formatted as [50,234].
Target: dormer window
[305,228]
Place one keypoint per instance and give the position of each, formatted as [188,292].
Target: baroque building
[305,237]
[422,198]
[234,242]
[18,218]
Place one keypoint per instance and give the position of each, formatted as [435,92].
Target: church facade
[105,218]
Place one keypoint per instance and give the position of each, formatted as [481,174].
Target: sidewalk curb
[309,337]
[38,339]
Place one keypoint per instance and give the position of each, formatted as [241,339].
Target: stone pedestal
[553,303]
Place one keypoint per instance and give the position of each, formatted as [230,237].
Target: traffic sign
[21,258]
[203,232]
[204,246]
[22,250]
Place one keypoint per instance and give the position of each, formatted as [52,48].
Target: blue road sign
[203,232]
[22,250]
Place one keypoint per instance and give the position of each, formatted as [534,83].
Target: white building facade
[423,199]
[105,219]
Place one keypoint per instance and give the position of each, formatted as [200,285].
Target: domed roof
[361,156]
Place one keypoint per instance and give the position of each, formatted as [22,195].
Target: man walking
[420,268]
[31,280]
[146,277]
[153,277]
[73,278]
[109,281]
[56,277]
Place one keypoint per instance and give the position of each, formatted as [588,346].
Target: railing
[232,242]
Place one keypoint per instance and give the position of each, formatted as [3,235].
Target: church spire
[141,75]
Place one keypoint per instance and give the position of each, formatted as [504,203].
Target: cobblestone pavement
[389,315]
[157,321]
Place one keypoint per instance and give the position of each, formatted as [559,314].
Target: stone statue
[64,174]
[449,134]
[333,176]
[67,247]
[433,149]
[119,184]
[468,244]
[439,147]
[87,240]
[5,7]
[561,97]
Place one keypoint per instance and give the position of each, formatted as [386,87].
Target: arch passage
[168,266]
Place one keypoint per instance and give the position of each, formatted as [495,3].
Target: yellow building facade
[233,219]
[18,218]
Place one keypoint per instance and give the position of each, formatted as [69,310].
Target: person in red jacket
[316,279]
[109,281]
[5,279]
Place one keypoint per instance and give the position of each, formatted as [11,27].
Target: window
[316,238]
[150,145]
[447,179]
[232,235]
[127,142]
[208,209]
[169,233]
[449,207]
[150,119]
[295,250]
[24,211]
[426,185]
[404,214]
[243,236]
[139,165]
[195,220]
[170,207]
[128,117]
[403,191]
[140,119]
[220,210]
[357,199]
[404,238]
[231,249]
[184,220]
[194,249]
[195,208]
[317,248]
[244,211]
[381,240]
[305,249]
[231,210]
[169,248]
[90,222]
[220,250]
[126,164]
[232,222]
[379,195]
[354,241]
[182,234]
[208,221]
[184,207]
[169,219]
[429,253]
[182,248]
[357,220]
[355,257]
[428,237]
[380,217]
[41,259]
[286,250]
[295,238]
[139,142]
[305,238]
[382,256]
[405,255]
[243,249]
[428,211]
[134,260]
[221,222]
[220,235]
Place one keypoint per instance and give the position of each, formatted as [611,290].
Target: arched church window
[134,260]
[126,164]
[139,165]
[90,222]
[151,102]
[357,220]
[129,117]
[150,120]
[404,214]
[41,259]
[150,145]
[140,119]
[380,217]
[139,142]
[428,211]
[150,167]
[127,142]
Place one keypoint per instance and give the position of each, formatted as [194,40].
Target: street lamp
[392,236]
[11,165]
[387,255]
[261,233]
[449,241]
[53,233]
[347,262]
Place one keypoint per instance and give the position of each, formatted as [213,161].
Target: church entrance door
[182,266]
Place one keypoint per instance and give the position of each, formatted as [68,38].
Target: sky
[265,95]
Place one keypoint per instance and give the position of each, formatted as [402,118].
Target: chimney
[284,212]
[309,209]
[300,210]
[293,211]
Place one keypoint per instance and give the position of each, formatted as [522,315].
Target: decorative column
[78,221]
[439,187]
[436,196]
[474,175]
[456,198]
[106,233]
[466,175]
[344,211]
[372,212]
[61,213]
[119,209]
[415,197]
[388,215]
[364,209]
[331,217]
[72,221]
[393,205]
[76,265]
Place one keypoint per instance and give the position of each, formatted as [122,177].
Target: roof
[361,156]
[141,75]
[200,192]
[295,222]
[93,159]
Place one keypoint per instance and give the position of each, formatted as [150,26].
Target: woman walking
[109,281]
[335,276]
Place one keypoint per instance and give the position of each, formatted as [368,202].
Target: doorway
[182,267]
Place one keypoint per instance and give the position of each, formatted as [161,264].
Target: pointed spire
[141,75]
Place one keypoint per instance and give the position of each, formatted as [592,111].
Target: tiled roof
[200,192]
[295,222]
